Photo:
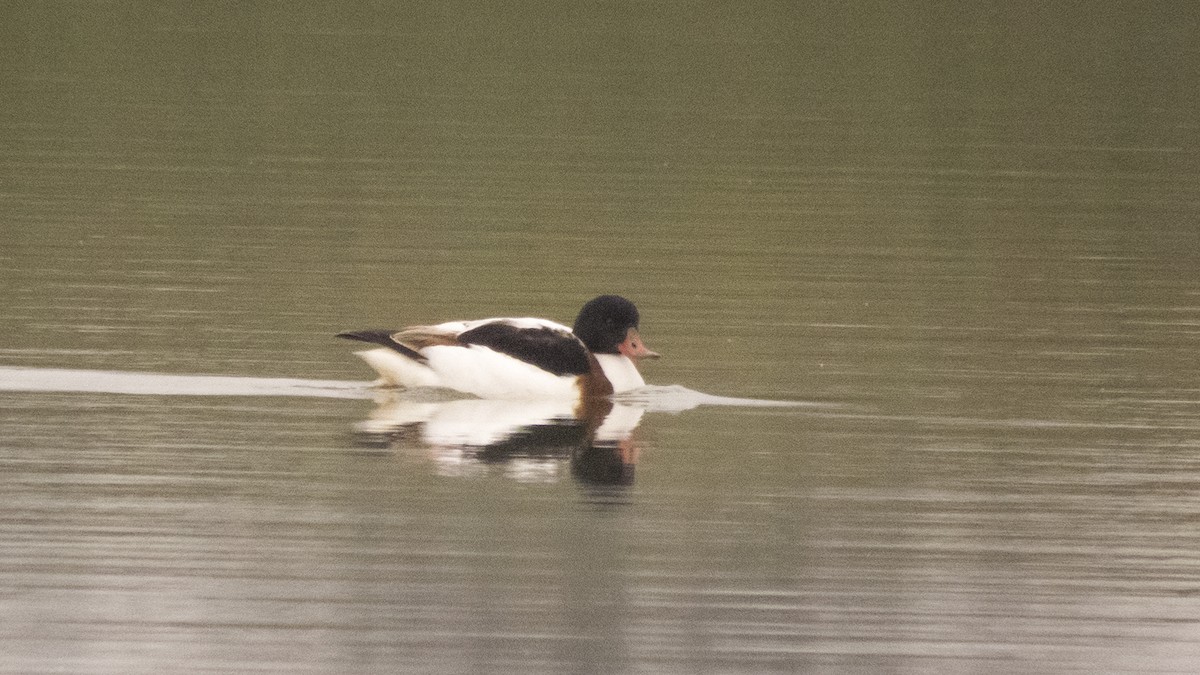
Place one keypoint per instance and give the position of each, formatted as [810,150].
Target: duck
[516,358]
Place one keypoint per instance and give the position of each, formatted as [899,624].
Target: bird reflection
[526,440]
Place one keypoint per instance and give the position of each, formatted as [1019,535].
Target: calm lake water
[965,238]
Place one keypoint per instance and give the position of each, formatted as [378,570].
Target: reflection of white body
[619,424]
[480,423]
[455,432]
[469,422]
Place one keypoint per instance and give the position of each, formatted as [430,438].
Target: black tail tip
[379,337]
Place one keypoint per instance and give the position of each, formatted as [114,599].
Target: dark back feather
[551,350]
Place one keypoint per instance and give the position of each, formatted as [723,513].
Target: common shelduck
[516,358]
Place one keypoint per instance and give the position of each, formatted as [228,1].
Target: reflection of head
[603,464]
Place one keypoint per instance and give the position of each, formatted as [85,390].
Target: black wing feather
[382,337]
[551,350]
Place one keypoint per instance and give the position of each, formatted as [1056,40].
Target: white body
[473,370]
[486,373]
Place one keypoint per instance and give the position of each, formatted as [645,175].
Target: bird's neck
[620,371]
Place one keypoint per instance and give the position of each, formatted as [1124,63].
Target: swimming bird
[516,358]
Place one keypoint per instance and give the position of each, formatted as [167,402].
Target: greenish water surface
[968,232]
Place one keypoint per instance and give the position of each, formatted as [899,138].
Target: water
[963,238]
